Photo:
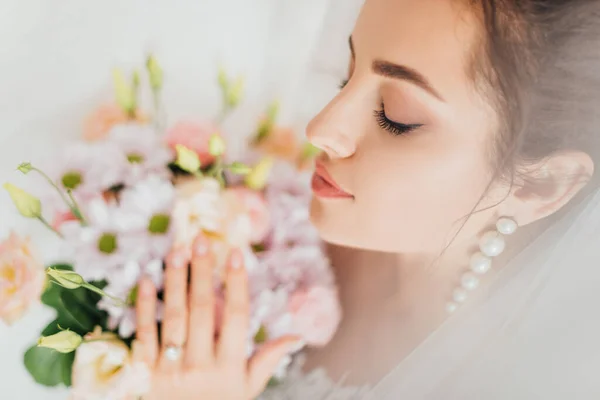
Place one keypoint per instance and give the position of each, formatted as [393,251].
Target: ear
[548,186]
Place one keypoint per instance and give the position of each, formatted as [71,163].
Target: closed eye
[393,127]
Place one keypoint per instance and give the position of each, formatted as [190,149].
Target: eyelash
[395,128]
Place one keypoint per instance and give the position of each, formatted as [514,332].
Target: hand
[197,366]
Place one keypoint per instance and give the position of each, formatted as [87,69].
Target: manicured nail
[237,259]
[178,259]
[144,288]
[201,245]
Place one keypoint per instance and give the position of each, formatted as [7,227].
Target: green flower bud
[25,167]
[258,177]
[63,342]
[124,93]
[216,145]
[155,73]
[28,205]
[66,279]
[187,159]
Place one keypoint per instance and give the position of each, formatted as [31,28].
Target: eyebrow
[401,72]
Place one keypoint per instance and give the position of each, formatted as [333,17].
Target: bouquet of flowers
[132,191]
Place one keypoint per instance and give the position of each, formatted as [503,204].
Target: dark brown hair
[538,64]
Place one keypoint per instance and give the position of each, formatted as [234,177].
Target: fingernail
[201,245]
[144,287]
[236,259]
[178,259]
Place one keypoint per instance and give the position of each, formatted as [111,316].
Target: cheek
[413,198]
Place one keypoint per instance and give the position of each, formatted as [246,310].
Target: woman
[459,157]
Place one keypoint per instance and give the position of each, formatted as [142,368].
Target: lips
[323,185]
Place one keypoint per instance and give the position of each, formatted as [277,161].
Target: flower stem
[75,208]
[72,205]
[103,293]
[43,221]
[51,182]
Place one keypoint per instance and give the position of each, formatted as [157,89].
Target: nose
[329,131]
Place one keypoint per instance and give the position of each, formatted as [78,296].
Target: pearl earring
[491,245]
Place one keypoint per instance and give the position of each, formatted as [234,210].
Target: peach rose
[22,278]
[100,122]
[315,314]
[281,142]
[194,136]
[245,203]
[104,369]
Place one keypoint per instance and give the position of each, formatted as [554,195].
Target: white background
[55,63]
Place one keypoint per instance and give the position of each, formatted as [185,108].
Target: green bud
[28,205]
[63,342]
[187,159]
[216,145]
[65,278]
[223,80]
[273,111]
[124,93]
[235,93]
[135,80]
[239,168]
[25,167]
[155,73]
[258,177]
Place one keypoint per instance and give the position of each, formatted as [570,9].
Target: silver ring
[173,353]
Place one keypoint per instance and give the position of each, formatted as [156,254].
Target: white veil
[536,335]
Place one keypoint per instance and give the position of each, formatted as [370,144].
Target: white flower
[87,169]
[122,282]
[146,208]
[103,244]
[143,149]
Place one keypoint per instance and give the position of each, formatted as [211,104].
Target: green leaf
[76,309]
[51,328]
[49,367]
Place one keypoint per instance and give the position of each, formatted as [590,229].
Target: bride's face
[408,138]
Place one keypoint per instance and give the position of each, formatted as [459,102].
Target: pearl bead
[459,295]
[506,226]
[451,307]
[469,281]
[480,264]
[492,244]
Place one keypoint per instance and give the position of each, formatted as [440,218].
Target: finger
[200,346]
[174,326]
[264,363]
[146,331]
[232,340]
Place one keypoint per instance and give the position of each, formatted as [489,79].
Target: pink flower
[243,201]
[104,369]
[21,278]
[316,314]
[194,136]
